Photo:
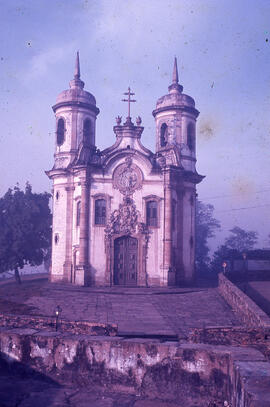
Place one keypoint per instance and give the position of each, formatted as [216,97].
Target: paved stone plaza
[144,366]
[167,312]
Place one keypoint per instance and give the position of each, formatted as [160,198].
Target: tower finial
[77,72]
[175,72]
[175,87]
[76,81]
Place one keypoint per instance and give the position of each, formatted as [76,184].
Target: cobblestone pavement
[136,311]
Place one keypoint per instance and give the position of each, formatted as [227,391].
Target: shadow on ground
[21,386]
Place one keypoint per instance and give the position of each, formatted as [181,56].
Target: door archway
[125,261]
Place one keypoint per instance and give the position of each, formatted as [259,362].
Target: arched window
[78,213]
[151,213]
[87,131]
[191,136]
[163,135]
[100,212]
[60,133]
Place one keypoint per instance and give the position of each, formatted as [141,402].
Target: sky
[223,52]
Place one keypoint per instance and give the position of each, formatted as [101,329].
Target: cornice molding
[189,109]
[87,106]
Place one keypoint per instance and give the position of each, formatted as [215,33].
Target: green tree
[241,240]
[25,229]
[206,226]
[238,242]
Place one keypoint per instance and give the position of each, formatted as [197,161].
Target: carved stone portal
[124,221]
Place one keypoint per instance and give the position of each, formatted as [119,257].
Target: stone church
[124,216]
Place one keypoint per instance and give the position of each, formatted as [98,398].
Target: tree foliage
[206,226]
[25,229]
[238,242]
[241,240]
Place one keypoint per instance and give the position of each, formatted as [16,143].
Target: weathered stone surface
[161,371]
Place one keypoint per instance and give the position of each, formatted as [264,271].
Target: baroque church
[124,216]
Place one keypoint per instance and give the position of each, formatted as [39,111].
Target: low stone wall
[74,327]
[242,305]
[236,335]
[258,338]
[165,371]
[186,373]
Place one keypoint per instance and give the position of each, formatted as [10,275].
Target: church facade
[124,216]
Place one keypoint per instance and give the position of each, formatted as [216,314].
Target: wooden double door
[125,261]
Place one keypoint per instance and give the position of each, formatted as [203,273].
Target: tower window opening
[163,135]
[191,136]
[57,195]
[60,133]
[151,213]
[78,213]
[87,131]
[100,212]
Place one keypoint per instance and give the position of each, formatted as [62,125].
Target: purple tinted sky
[223,49]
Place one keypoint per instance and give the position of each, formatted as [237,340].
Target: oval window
[87,131]
[163,135]
[191,136]
[60,133]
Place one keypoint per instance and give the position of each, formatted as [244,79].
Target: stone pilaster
[84,223]
[189,234]
[82,271]
[69,225]
[167,239]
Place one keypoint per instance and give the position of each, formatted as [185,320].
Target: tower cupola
[175,117]
[76,95]
[76,112]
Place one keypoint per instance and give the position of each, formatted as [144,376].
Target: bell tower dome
[175,117]
[75,112]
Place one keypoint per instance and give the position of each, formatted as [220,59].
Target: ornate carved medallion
[127,177]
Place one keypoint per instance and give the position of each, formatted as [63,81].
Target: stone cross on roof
[129,93]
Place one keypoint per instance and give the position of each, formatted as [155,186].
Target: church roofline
[116,154]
